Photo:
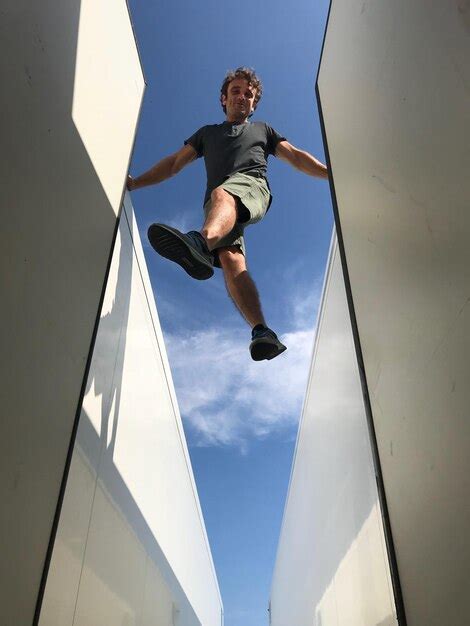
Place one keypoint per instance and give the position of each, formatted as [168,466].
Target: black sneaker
[265,344]
[188,250]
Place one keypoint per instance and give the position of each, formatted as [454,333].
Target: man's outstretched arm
[166,168]
[301,160]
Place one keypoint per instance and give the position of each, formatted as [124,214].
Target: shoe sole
[262,350]
[169,244]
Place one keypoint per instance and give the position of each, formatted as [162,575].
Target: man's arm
[301,160]
[166,168]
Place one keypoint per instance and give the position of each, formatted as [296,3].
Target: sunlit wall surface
[131,546]
[394,87]
[71,91]
[332,567]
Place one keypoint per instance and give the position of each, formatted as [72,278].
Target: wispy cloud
[183,220]
[186,220]
[228,399]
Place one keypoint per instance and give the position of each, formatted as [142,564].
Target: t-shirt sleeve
[197,141]
[273,139]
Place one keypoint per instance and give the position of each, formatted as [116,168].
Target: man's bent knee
[232,259]
[220,195]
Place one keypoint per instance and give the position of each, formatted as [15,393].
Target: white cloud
[183,220]
[186,220]
[227,398]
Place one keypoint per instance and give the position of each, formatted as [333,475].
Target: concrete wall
[394,88]
[131,546]
[71,92]
[331,567]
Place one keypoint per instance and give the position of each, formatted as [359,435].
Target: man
[237,195]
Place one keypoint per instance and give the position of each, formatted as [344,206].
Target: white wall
[71,92]
[394,86]
[331,567]
[131,546]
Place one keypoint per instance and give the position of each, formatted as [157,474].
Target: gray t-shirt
[229,148]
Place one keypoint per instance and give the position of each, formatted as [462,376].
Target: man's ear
[223,99]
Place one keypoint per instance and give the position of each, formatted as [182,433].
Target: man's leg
[240,285]
[243,291]
[221,217]
[192,250]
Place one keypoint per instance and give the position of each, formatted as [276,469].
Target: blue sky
[240,416]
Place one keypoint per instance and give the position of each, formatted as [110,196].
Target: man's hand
[301,160]
[130,183]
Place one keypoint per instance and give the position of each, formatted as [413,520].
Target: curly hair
[247,74]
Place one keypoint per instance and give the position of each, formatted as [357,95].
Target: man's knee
[232,259]
[219,195]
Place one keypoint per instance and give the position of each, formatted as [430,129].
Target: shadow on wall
[105,377]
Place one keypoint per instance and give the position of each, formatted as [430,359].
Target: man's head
[240,93]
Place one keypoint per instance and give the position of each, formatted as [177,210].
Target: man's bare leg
[221,218]
[243,291]
[240,285]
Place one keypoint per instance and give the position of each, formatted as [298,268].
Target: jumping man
[237,195]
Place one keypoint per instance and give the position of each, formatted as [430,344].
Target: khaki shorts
[253,200]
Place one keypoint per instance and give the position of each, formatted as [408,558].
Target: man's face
[240,99]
